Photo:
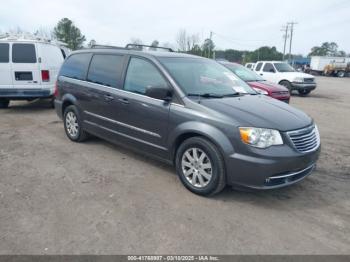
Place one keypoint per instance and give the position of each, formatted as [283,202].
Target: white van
[28,69]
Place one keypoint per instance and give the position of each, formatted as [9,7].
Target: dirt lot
[59,197]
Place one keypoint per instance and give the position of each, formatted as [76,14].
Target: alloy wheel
[196,167]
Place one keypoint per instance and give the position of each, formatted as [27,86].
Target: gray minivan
[188,111]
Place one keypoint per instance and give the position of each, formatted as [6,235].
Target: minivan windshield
[243,72]
[283,67]
[204,77]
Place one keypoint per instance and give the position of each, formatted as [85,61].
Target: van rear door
[25,66]
[5,66]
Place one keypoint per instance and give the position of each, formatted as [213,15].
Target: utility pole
[285,36]
[291,39]
[211,36]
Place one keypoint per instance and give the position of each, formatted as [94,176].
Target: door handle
[108,97]
[261,74]
[124,101]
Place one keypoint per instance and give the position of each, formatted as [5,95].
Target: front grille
[305,140]
[308,80]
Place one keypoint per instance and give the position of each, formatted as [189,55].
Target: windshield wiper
[206,95]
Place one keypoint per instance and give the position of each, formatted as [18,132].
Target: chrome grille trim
[305,140]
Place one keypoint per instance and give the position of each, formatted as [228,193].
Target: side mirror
[272,70]
[159,92]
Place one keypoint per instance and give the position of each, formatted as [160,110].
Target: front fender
[210,132]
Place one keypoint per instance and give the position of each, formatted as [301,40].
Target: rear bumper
[58,108]
[304,86]
[13,93]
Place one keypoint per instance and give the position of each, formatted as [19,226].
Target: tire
[52,103]
[341,74]
[214,178]
[286,84]
[4,103]
[72,124]
[304,92]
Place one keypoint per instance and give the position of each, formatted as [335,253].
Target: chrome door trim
[124,135]
[123,124]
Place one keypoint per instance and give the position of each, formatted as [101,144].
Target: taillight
[45,75]
[55,92]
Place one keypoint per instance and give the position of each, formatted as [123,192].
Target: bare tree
[192,41]
[181,40]
[136,41]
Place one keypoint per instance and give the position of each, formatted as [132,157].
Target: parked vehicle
[319,65]
[258,83]
[339,69]
[28,69]
[250,65]
[281,73]
[188,111]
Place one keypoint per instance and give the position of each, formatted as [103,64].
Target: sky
[236,24]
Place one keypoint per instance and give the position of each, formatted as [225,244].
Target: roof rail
[139,47]
[107,46]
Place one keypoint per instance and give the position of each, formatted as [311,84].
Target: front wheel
[200,166]
[286,84]
[4,103]
[72,124]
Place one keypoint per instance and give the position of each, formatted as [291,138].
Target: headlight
[299,80]
[260,91]
[260,137]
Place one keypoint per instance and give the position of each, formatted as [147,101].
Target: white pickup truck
[281,73]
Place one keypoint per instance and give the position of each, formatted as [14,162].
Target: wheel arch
[194,129]
[68,100]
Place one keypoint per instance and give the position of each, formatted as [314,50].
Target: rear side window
[23,53]
[258,67]
[4,53]
[268,68]
[76,66]
[106,70]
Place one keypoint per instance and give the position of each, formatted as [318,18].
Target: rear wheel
[72,124]
[304,92]
[287,84]
[4,103]
[200,166]
[341,74]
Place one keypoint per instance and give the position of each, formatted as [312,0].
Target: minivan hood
[259,111]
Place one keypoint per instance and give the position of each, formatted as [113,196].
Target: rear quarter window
[4,53]
[23,53]
[106,70]
[76,66]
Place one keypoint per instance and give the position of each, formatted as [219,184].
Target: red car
[257,82]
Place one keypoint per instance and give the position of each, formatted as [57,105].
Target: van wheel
[287,85]
[200,166]
[72,124]
[4,103]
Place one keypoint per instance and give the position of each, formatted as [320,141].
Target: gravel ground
[59,197]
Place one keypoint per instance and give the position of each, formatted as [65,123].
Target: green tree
[68,33]
[326,49]
[208,47]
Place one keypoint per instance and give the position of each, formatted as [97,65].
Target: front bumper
[279,169]
[14,93]
[303,86]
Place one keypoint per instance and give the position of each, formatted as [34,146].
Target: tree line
[67,32]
